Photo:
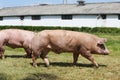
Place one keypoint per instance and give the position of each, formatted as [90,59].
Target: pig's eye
[101,46]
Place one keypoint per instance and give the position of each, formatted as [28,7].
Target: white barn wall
[27,21]
[51,21]
[10,21]
[113,21]
[77,21]
[85,20]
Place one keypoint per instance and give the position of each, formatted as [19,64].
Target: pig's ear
[102,40]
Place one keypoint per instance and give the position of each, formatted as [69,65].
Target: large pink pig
[16,38]
[67,41]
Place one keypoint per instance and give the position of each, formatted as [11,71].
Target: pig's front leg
[85,53]
[34,58]
[75,58]
[35,54]
[43,56]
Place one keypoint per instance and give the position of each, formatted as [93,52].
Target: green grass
[16,67]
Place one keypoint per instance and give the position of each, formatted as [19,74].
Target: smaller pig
[67,41]
[16,38]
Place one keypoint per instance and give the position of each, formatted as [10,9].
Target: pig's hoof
[3,58]
[96,67]
[35,65]
[74,64]
[46,65]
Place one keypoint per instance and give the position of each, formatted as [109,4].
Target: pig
[16,38]
[67,41]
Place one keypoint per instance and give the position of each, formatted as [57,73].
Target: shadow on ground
[61,64]
[65,64]
[40,76]
[15,56]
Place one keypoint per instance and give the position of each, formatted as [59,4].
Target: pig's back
[19,35]
[64,38]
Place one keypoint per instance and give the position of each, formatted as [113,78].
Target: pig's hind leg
[29,53]
[2,50]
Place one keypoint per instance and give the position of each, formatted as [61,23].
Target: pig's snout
[106,52]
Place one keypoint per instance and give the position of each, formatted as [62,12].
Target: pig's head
[101,48]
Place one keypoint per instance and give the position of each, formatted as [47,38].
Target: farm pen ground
[16,67]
